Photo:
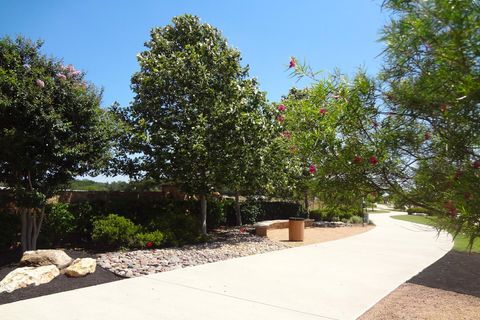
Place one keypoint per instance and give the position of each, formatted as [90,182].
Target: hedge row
[72,224]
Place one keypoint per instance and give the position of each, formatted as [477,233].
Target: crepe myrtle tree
[431,88]
[331,129]
[51,129]
[193,101]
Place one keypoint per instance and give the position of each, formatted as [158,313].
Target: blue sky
[103,37]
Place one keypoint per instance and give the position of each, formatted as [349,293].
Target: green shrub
[251,212]
[58,226]
[417,210]
[355,220]
[179,229]
[114,231]
[152,239]
[11,227]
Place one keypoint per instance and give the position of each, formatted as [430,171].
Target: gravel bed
[226,245]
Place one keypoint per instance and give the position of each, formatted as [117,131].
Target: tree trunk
[31,225]
[306,203]
[203,207]
[24,230]
[238,214]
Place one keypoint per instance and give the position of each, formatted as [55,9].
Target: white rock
[81,267]
[26,276]
[45,257]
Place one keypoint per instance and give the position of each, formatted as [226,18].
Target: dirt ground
[448,289]
[316,235]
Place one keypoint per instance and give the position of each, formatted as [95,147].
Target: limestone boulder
[39,258]
[81,267]
[27,276]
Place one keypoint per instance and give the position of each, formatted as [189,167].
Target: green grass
[461,241]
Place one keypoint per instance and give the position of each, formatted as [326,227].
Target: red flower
[242,230]
[312,169]
[476,164]
[427,135]
[293,63]
[323,111]
[286,134]
[281,108]
[443,107]
[280,118]
[373,160]
[458,174]
[357,160]
[149,244]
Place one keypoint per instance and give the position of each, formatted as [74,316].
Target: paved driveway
[333,280]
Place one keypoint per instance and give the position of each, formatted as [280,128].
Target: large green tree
[193,101]
[432,92]
[51,129]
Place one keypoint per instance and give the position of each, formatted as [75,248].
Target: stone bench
[262,227]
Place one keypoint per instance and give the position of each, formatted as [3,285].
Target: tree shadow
[456,271]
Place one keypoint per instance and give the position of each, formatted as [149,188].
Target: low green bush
[417,210]
[356,219]
[58,226]
[251,212]
[11,227]
[152,239]
[334,214]
[114,231]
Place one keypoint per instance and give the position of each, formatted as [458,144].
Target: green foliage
[251,212]
[10,224]
[432,85]
[152,239]
[114,231]
[334,214]
[417,210]
[355,220]
[59,224]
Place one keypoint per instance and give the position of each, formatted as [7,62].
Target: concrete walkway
[333,280]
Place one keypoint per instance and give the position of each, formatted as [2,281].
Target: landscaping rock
[26,276]
[81,267]
[45,257]
[230,244]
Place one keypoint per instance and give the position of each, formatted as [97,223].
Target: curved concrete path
[333,280]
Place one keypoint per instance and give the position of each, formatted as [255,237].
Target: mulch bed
[456,271]
[9,261]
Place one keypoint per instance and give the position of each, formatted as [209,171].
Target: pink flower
[373,160]
[281,108]
[293,63]
[40,83]
[281,118]
[242,230]
[286,134]
[323,111]
[61,76]
[312,169]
